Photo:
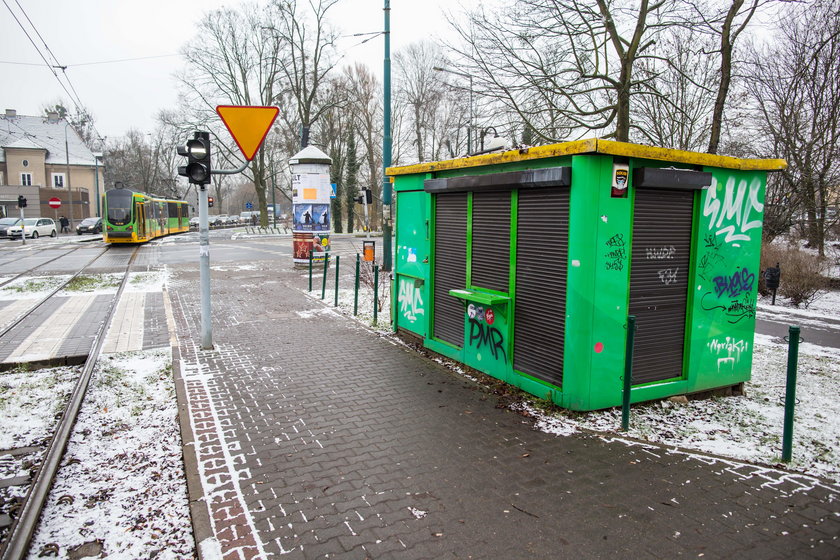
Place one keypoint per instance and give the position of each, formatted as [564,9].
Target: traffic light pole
[204,271]
[22,228]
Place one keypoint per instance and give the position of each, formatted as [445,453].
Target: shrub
[802,273]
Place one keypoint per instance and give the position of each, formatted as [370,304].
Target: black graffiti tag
[617,255]
[489,336]
[734,285]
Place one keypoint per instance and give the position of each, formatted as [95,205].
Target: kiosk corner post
[790,393]
[628,373]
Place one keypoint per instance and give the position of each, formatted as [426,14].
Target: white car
[35,228]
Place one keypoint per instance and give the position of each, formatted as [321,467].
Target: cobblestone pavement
[317,438]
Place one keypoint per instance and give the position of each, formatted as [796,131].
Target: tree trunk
[725,75]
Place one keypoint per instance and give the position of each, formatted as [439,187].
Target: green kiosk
[526,264]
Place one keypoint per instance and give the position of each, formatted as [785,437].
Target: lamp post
[470,78]
[387,142]
[69,187]
[96,157]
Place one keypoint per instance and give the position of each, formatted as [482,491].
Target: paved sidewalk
[308,436]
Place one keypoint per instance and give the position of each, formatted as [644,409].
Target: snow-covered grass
[32,287]
[120,490]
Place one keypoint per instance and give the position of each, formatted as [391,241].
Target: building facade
[43,158]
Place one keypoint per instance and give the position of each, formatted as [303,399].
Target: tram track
[21,516]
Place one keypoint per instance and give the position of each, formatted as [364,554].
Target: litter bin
[369,251]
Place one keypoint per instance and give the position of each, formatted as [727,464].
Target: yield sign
[248,125]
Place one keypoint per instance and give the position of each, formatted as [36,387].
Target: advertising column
[311,192]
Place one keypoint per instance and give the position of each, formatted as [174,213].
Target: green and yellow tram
[135,217]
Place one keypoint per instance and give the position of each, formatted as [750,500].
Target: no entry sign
[55,202]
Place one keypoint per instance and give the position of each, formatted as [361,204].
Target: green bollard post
[337,261]
[790,393]
[356,289]
[310,270]
[375,291]
[628,373]
[324,280]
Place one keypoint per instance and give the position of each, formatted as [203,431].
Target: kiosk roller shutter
[450,265]
[542,250]
[658,281]
[491,240]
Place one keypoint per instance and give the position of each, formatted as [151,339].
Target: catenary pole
[204,270]
[386,145]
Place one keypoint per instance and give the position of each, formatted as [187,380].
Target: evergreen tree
[350,185]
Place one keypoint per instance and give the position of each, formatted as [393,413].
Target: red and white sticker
[489,316]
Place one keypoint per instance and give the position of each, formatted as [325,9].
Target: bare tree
[309,40]
[565,67]
[683,76]
[796,87]
[231,62]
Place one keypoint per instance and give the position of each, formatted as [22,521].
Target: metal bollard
[337,261]
[324,280]
[790,393]
[310,270]
[356,289]
[375,291]
[628,373]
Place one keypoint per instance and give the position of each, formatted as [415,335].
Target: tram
[135,217]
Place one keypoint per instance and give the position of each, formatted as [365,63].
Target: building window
[2,182]
[58,180]
[26,179]
[26,163]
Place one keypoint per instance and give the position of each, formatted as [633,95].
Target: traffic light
[210,201]
[21,201]
[197,152]
[366,197]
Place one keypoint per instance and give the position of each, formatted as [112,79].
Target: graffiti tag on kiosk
[736,284]
[410,299]
[668,276]
[738,212]
[727,351]
[660,253]
[616,254]
[735,310]
[482,335]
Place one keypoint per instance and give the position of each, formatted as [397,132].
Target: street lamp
[470,78]
[69,187]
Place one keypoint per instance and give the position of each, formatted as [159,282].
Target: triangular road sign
[248,125]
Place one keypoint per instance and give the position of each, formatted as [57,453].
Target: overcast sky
[124,95]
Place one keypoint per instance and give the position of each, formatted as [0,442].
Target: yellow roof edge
[593,145]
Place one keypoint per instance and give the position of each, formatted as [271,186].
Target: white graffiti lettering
[668,276]
[660,253]
[731,347]
[410,299]
[733,215]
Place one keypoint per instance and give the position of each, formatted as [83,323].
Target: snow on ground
[148,281]
[32,287]
[121,486]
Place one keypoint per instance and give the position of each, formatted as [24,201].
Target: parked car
[89,225]
[219,220]
[194,221]
[34,227]
[6,223]
[232,220]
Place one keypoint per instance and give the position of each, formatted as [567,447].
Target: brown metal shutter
[658,281]
[450,265]
[542,249]
[491,240]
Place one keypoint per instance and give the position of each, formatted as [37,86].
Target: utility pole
[386,146]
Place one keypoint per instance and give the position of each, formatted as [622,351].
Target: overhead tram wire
[75,98]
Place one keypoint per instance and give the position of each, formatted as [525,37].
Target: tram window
[119,207]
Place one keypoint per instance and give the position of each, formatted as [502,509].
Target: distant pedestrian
[65,224]
[253,219]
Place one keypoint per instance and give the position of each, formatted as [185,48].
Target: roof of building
[594,146]
[21,131]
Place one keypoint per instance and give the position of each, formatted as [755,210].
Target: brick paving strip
[308,436]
